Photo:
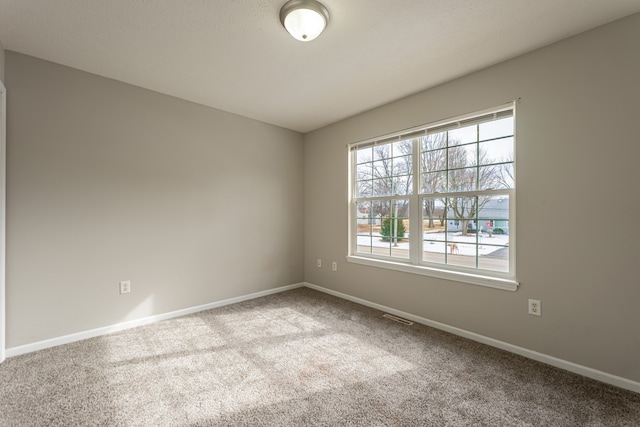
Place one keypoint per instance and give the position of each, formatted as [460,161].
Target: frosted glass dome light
[304,19]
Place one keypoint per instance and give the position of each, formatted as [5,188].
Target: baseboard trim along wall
[66,339]
[549,360]
[530,354]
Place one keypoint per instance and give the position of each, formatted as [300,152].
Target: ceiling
[234,55]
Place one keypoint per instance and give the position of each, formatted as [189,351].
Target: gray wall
[577,202]
[1,62]
[110,182]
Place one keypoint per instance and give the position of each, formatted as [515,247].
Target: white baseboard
[66,339]
[549,360]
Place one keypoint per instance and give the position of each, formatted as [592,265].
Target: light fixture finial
[304,19]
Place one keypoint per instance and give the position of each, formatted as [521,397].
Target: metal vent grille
[398,319]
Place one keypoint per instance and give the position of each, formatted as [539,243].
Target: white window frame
[415,265]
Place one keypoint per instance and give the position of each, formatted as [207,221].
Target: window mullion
[512,231]
[353,216]
[415,211]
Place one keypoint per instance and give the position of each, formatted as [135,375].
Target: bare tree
[434,162]
[505,172]
[387,173]
[467,173]
[402,174]
[446,165]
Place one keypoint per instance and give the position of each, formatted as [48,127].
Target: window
[460,208]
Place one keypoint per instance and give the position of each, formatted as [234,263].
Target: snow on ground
[439,243]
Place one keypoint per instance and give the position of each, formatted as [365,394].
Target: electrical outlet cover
[535,307]
[125,286]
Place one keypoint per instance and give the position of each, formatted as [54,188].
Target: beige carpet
[292,359]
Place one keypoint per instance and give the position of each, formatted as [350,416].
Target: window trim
[496,280]
[456,276]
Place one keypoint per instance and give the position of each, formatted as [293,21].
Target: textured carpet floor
[293,359]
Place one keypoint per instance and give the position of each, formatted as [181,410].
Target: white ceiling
[235,56]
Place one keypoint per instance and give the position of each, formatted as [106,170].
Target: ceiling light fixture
[304,19]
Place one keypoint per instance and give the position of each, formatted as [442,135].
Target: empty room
[319,212]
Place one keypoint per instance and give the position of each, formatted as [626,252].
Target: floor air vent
[398,319]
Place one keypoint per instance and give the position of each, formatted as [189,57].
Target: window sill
[473,279]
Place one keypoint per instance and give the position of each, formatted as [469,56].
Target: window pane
[363,216]
[494,214]
[489,177]
[433,161]
[506,176]
[497,260]
[433,215]
[496,128]
[364,244]
[461,238]
[402,185]
[380,209]
[462,179]
[433,142]
[391,175]
[463,155]
[402,165]
[496,177]
[394,229]
[462,210]
[364,189]
[434,230]
[434,182]
[434,253]
[382,168]
[462,253]
[363,176]
[368,234]
[364,155]
[496,151]
[382,152]
[384,230]
[364,171]
[493,239]
[402,148]
[382,187]
[364,223]
[463,135]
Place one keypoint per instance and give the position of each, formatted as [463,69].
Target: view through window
[457,214]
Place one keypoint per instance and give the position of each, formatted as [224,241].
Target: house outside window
[456,219]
